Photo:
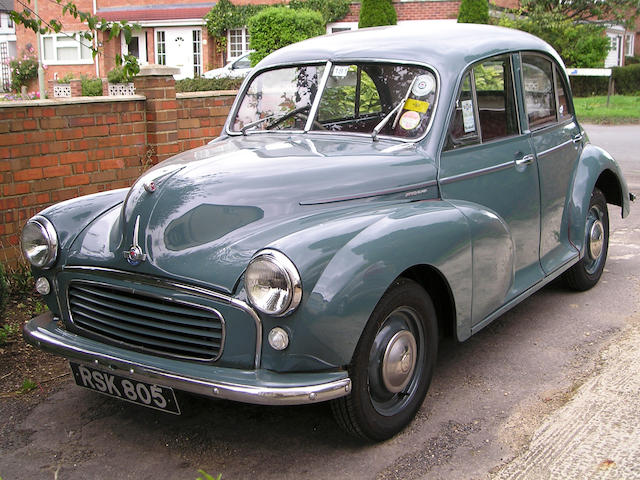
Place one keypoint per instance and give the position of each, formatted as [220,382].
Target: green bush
[374,13]
[23,68]
[627,79]
[276,27]
[631,60]
[201,84]
[473,11]
[579,45]
[91,87]
[589,86]
[66,79]
[331,10]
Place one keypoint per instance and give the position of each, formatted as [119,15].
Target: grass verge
[622,109]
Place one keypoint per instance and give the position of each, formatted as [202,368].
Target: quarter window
[538,90]
[561,93]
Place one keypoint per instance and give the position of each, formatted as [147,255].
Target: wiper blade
[246,127]
[276,119]
[396,110]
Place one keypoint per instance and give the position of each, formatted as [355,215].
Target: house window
[161,48]
[66,49]
[197,53]
[238,41]
[628,44]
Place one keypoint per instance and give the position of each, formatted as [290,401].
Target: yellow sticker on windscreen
[416,105]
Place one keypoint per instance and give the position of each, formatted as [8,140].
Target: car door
[488,168]
[557,142]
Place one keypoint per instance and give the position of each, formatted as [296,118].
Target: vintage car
[372,192]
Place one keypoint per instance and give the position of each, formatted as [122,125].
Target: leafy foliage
[276,27]
[6,332]
[579,45]
[615,11]
[374,13]
[627,79]
[23,69]
[91,87]
[473,11]
[126,68]
[331,10]
[201,84]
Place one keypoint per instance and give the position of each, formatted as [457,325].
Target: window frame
[161,57]
[244,35]
[196,45]
[469,70]
[75,36]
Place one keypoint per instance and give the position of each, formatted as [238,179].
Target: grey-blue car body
[319,248]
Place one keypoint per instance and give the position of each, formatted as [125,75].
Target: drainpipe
[41,89]
[96,43]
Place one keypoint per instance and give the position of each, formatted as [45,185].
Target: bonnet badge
[135,255]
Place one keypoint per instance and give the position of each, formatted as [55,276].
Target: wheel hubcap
[399,361]
[596,235]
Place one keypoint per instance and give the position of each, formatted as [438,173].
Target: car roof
[443,44]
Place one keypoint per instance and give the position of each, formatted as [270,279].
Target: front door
[489,162]
[182,49]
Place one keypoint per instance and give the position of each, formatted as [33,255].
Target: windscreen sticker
[409,120]
[340,71]
[416,105]
[467,116]
[423,85]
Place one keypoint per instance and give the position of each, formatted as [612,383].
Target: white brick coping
[209,93]
[70,101]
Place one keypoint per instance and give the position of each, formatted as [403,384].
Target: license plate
[135,391]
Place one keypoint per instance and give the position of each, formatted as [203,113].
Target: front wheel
[392,365]
[586,273]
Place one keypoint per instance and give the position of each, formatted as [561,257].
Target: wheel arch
[435,284]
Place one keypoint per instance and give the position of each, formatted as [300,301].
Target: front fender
[328,326]
[596,168]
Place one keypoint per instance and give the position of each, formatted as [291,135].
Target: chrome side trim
[554,148]
[378,193]
[164,283]
[41,333]
[476,173]
[147,294]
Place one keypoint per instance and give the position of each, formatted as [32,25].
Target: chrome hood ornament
[135,256]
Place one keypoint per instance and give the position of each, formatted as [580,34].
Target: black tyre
[392,365]
[586,273]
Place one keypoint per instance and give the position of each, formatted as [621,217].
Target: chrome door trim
[477,173]
[556,147]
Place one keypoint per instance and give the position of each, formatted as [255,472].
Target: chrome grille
[147,322]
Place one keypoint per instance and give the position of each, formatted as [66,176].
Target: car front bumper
[249,386]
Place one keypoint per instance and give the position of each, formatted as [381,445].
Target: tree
[473,11]
[618,11]
[579,45]
[374,13]
[277,27]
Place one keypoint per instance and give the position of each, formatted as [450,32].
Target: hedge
[374,13]
[473,11]
[277,27]
[626,80]
[201,84]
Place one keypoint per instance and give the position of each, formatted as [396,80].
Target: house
[7,43]
[173,33]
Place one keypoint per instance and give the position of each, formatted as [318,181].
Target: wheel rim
[396,361]
[595,239]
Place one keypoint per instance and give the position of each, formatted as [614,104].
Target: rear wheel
[392,365]
[586,273]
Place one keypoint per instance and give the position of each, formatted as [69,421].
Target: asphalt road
[488,397]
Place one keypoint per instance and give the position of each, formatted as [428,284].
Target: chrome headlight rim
[291,275]
[50,236]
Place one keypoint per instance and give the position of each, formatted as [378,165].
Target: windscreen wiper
[396,109]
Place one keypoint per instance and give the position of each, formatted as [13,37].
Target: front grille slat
[169,320]
[146,322]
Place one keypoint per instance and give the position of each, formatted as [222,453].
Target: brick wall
[53,150]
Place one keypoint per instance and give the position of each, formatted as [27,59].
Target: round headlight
[273,283]
[39,242]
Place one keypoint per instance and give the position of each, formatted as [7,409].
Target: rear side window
[561,93]
[539,96]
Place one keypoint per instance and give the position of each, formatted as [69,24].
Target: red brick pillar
[105,87]
[76,87]
[157,84]
[50,84]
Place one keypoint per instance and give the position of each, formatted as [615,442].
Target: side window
[496,100]
[486,107]
[563,103]
[539,97]
[463,129]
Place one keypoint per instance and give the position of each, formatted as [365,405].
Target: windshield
[367,98]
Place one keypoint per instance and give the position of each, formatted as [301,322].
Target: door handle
[526,160]
[577,138]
